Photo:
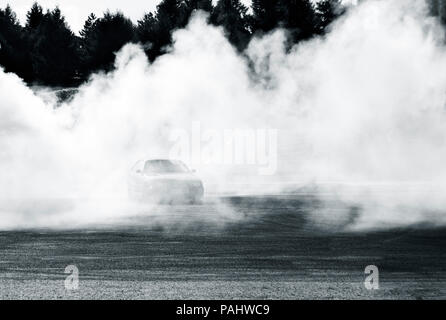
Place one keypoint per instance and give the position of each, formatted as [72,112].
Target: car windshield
[164,166]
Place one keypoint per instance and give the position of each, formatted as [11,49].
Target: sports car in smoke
[164,181]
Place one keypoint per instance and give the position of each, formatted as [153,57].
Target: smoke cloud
[360,115]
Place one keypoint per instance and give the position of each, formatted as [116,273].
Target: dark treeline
[45,51]
[438,8]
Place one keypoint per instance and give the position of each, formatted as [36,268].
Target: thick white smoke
[360,114]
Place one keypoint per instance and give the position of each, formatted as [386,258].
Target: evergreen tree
[10,16]
[147,35]
[85,48]
[14,55]
[54,51]
[155,30]
[265,15]
[10,29]
[192,5]
[298,16]
[327,11]
[102,38]
[88,25]
[233,16]
[170,15]
[34,17]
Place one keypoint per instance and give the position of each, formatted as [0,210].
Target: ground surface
[245,248]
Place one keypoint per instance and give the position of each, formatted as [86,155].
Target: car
[164,181]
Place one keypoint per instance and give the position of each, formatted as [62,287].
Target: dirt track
[266,248]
